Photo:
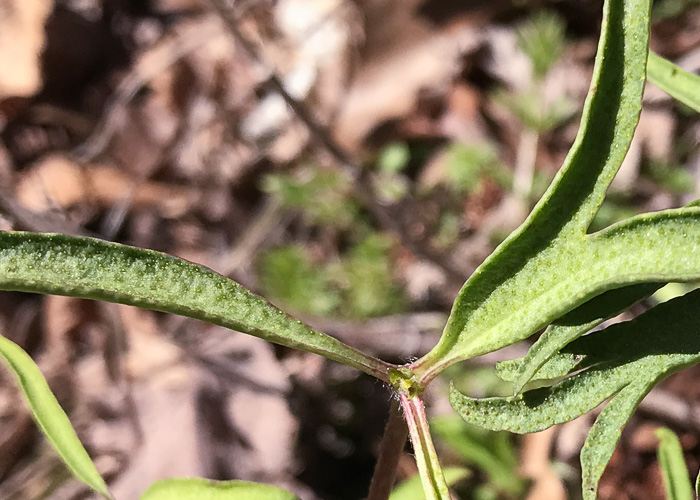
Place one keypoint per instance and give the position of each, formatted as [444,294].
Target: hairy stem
[432,478]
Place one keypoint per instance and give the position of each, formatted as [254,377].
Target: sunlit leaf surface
[95,269]
[50,417]
[622,362]
[550,265]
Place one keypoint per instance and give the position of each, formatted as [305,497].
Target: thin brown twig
[320,135]
[390,451]
[265,223]
[175,49]
[274,83]
[171,49]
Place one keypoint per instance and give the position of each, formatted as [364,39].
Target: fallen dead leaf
[57,182]
[21,41]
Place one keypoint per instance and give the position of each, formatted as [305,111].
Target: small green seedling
[551,272]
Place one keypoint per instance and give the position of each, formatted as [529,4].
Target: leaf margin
[90,268]
[50,417]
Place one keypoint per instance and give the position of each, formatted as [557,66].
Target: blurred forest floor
[412,137]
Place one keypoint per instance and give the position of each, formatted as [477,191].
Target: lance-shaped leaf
[580,320]
[204,489]
[662,244]
[50,417]
[622,362]
[516,290]
[604,435]
[539,409]
[672,464]
[674,80]
[95,269]
[658,247]
[570,327]
[557,366]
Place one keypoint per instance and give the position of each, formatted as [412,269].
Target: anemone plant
[551,272]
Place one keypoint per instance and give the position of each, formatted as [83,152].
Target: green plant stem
[390,450]
[432,478]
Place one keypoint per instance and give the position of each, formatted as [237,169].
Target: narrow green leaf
[539,409]
[411,488]
[95,269]
[607,361]
[574,324]
[658,247]
[662,244]
[51,419]
[673,468]
[518,289]
[624,362]
[556,366]
[604,435]
[674,80]
[204,489]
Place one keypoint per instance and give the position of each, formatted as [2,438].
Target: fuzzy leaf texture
[204,489]
[550,265]
[570,327]
[50,417]
[622,362]
[95,269]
